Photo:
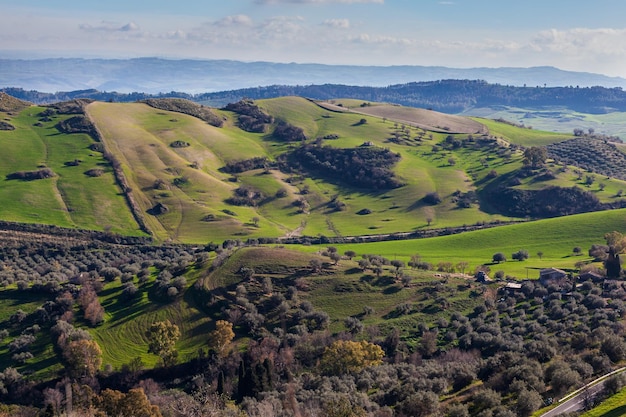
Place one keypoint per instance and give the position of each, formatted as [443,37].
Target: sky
[577,35]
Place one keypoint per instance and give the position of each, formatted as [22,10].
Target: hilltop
[11,104]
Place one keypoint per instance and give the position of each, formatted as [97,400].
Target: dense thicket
[185,106]
[251,117]
[243,165]
[548,202]
[38,174]
[364,167]
[77,124]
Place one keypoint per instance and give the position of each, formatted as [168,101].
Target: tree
[162,337]
[577,250]
[246,272]
[135,403]
[220,338]
[345,356]
[335,257]
[354,325]
[498,257]
[349,254]
[316,265]
[342,408]
[614,347]
[535,156]
[422,403]
[540,254]
[398,265]
[528,401]
[83,358]
[520,255]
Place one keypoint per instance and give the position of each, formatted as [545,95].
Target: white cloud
[337,23]
[581,41]
[236,20]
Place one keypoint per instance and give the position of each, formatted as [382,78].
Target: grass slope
[189,182]
[556,238]
[71,198]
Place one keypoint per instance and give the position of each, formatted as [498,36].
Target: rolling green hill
[174,168]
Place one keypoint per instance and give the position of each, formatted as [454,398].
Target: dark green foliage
[432,198]
[94,172]
[535,156]
[368,167]
[6,126]
[449,96]
[235,167]
[31,175]
[547,202]
[520,255]
[246,196]
[179,144]
[254,377]
[187,107]
[77,124]
[289,133]
[97,147]
[251,117]
[499,257]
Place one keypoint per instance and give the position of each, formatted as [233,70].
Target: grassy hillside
[185,195]
[70,198]
[555,238]
[140,138]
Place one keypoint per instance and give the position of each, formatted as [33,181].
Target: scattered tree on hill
[348,356]
[520,255]
[83,358]
[535,156]
[221,337]
[162,337]
[135,403]
[498,257]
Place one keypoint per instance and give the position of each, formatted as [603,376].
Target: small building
[549,276]
[513,286]
[591,276]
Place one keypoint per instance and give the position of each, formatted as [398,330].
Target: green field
[71,198]
[555,238]
[190,183]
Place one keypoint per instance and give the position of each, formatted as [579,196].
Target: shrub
[94,172]
[31,175]
[432,198]
[179,144]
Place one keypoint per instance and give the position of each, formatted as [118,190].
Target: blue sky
[569,34]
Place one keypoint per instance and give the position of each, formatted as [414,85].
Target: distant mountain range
[155,75]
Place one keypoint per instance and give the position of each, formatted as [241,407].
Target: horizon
[568,35]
